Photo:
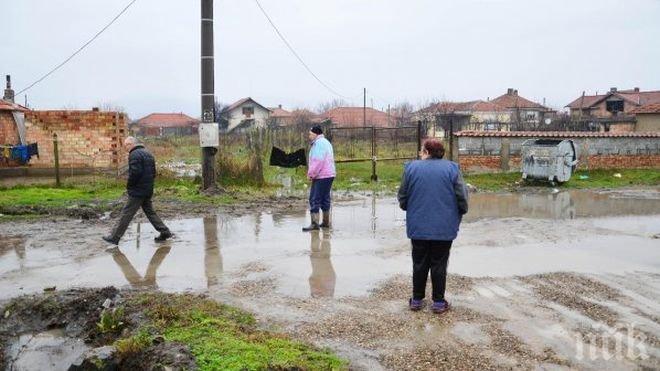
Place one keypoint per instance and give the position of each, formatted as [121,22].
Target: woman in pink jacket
[321,171]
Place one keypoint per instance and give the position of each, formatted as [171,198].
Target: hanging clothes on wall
[33,150]
[20,154]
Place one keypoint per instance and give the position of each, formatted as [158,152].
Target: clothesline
[21,153]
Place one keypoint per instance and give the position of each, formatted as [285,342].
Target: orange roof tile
[354,117]
[9,106]
[167,120]
[649,108]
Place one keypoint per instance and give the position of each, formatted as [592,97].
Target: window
[614,106]
[248,111]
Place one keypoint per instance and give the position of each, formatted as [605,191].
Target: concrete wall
[483,153]
[648,122]
[87,139]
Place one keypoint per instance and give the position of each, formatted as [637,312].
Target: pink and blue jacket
[321,159]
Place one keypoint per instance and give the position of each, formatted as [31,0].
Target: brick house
[612,111]
[166,124]
[648,118]
[354,117]
[8,128]
[472,115]
[280,116]
[523,111]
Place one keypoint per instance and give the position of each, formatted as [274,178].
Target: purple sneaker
[440,306]
[415,304]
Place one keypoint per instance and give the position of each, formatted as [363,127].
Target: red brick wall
[477,163]
[87,139]
[8,131]
[623,162]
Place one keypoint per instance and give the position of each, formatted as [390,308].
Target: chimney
[280,106]
[509,91]
[636,90]
[9,93]
[613,90]
[515,92]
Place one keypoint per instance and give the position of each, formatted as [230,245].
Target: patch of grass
[134,344]
[494,181]
[111,320]
[102,190]
[607,178]
[225,338]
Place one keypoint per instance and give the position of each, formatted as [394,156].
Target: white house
[246,113]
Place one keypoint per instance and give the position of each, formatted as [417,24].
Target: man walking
[435,198]
[140,189]
[321,171]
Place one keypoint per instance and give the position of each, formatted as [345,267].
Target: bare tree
[326,106]
[221,117]
[402,114]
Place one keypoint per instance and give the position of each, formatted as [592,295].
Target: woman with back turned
[435,199]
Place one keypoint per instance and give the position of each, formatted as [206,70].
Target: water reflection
[13,243]
[560,205]
[323,279]
[212,258]
[133,277]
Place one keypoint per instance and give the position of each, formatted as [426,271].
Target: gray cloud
[400,50]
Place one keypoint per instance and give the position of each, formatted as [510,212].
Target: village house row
[616,111]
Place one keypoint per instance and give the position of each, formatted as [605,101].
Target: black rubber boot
[326,219]
[314,226]
[163,236]
[110,240]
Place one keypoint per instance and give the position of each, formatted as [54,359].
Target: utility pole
[208,94]
[364,109]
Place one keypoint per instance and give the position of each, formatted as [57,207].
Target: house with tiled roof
[245,113]
[280,117]
[471,115]
[647,118]
[166,124]
[523,110]
[355,117]
[613,110]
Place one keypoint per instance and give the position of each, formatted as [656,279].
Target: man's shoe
[314,226]
[110,240]
[163,236]
[440,306]
[326,220]
[415,305]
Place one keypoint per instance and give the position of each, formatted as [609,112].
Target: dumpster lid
[543,142]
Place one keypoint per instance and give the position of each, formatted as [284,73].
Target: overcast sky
[414,50]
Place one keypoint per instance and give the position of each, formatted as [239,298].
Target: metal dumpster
[549,159]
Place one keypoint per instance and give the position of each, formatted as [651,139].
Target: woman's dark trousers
[430,256]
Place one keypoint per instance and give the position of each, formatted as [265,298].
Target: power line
[79,49]
[333,91]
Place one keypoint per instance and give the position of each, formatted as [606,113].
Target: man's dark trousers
[128,212]
[433,256]
[319,195]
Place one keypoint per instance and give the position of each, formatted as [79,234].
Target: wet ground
[551,280]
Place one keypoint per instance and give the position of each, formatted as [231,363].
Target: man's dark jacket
[141,173]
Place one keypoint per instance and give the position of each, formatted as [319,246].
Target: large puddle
[503,235]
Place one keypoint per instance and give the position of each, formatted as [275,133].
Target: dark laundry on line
[282,159]
[20,154]
[33,150]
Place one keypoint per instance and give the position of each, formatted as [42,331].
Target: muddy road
[553,280]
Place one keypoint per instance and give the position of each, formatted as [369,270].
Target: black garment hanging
[283,159]
[33,150]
